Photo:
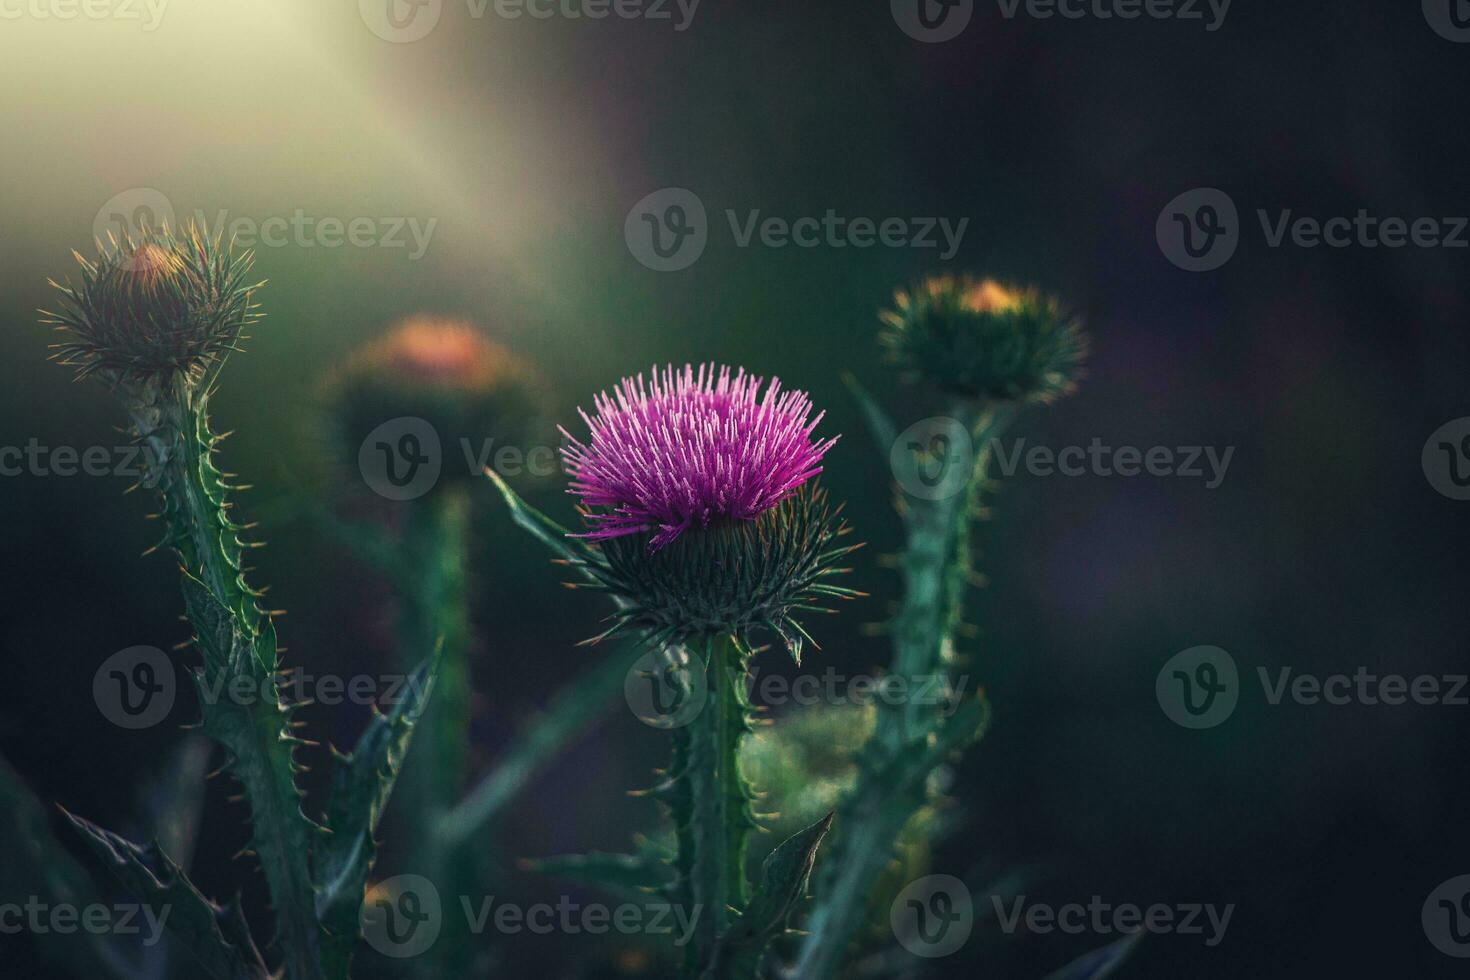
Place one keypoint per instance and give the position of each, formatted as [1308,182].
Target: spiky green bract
[980,339]
[733,577]
[163,304]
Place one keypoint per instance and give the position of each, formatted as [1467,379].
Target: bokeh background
[527,141]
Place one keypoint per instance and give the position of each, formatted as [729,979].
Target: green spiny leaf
[785,874]
[361,785]
[34,862]
[216,936]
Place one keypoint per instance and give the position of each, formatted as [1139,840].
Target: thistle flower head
[695,487]
[686,448]
[160,305]
[980,339]
[441,370]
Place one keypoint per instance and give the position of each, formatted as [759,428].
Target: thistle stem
[434,611]
[712,802]
[172,420]
[910,739]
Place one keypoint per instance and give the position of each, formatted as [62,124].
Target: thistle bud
[984,340]
[443,371]
[154,308]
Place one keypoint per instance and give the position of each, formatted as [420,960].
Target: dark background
[1325,549]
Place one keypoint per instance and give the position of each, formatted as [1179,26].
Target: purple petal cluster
[682,448]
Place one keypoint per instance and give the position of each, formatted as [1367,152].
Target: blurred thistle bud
[980,339]
[694,485]
[473,392]
[156,307]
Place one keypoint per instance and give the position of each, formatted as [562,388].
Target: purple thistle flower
[683,448]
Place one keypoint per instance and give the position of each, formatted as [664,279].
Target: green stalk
[238,643]
[434,610]
[911,739]
[711,804]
